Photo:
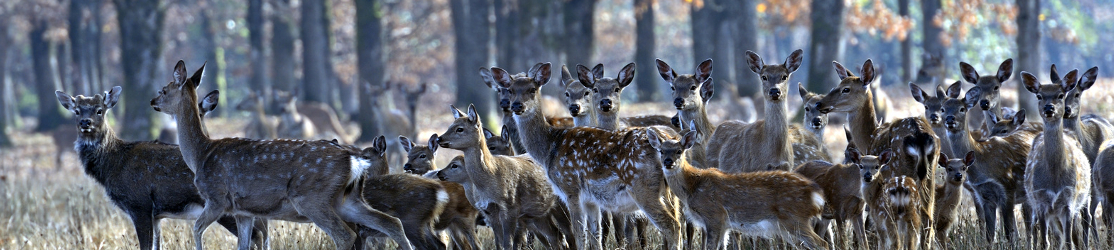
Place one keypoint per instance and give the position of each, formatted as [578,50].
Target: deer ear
[968,72]
[703,71]
[626,75]
[676,121]
[841,71]
[597,72]
[472,116]
[1069,81]
[541,76]
[112,97]
[407,145]
[195,80]
[1019,118]
[868,72]
[690,139]
[180,73]
[654,140]
[488,134]
[457,114]
[210,102]
[1053,74]
[969,158]
[501,77]
[66,100]
[1030,82]
[804,92]
[433,143]
[665,71]
[489,78]
[380,145]
[707,89]
[505,132]
[884,158]
[942,160]
[566,77]
[793,62]
[940,93]
[918,94]
[1005,70]
[755,62]
[855,156]
[955,89]
[1088,78]
[585,76]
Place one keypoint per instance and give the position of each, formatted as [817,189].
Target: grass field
[44,207]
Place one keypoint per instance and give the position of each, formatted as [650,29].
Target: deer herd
[572,181]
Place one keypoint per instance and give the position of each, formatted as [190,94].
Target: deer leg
[1086,223]
[1009,220]
[714,233]
[1107,219]
[243,231]
[560,217]
[259,235]
[578,220]
[606,225]
[989,218]
[213,210]
[859,233]
[801,234]
[593,213]
[355,210]
[145,226]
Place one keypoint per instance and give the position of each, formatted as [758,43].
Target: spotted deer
[843,192]
[459,216]
[260,125]
[1057,172]
[510,189]
[578,97]
[302,181]
[147,180]
[814,121]
[950,194]
[691,93]
[899,222]
[934,111]
[1010,123]
[606,95]
[769,204]
[417,202]
[589,168]
[912,139]
[987,91]
[504,96]
[997,178]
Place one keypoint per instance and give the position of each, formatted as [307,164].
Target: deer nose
[407,167]
[867,177]
[775,94]
[950,121]
[934,118]
[574,109]
[676,121]
[605,105]
[679,103]
[517,107]
[505,104]
[823,109]
[817,122]
[668,163]
[984,104]
[1049,110]
[85,123]
[1067,110]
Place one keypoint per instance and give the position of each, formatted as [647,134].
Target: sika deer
[1090,130]
[934,111]
[260,125]
[147,180]
[814,121]
[986,94]
[1057,172]
[292,124]
[1008,124]
[768,141]
[579,99]
[843,192]
[510,189]
[899,220]
[913,136]
[949,195]
[284,179]
[413,98]
[389,121]
[508,118]
[416,201]
[459,216]
[996,180]
[323,117]
[590,168]
[1103,177]
[691,93]
[606,93]
[764,204]
[500,144]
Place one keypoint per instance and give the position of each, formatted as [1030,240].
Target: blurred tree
[257,82]
[507,34]
[646,76]
[208,45]
[83,30]
[826,45]
[316,80]
[745,35]
[707,19]
[5,46]
[282,46]
[906,44]
[1028,47]
[371,61]
[45,79]
[473,33]
[141,24]
[579,32]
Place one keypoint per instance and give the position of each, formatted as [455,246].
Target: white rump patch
[442,196]
[818,200]
[358,167]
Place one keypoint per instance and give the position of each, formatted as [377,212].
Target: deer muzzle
[86,125]
[775,94]
[605,105]
[667,163]
[950,122]
[817,122]
[679,103]
[984,104]
[1049,111]
[518,108]
[867,177]
[574,109]
[505,104]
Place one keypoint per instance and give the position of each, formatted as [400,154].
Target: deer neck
[864,121]
[776,129]
[1074,124]
[989,114]
[963,141]
[192,138]
[1054,141]
[516,140]
[536,135]
[608,120]
[699,115]
[480,163]
[682,182]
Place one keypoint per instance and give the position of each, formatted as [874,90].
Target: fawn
[996,180]
[260,125]
[459,216]
[578,97]
[986,94]
[934,111]
[1057,172]
[950,194]
[147,180]
[765,204]
[590,168]
[500,144]
[899,221]
[417,202]
[284,179]
[844,195]
[509,189]
[1010,122]
[606,93]
[814,121]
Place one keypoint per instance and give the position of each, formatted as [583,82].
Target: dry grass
[47,208]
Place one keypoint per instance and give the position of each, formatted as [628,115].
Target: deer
[1103,181]
[510,189]
[950,194]
[417,202]
[764,204]
[292,124]
[899,219]
[843,192]
[741,108]
[147,180]
[293,180]
[504,96]
[912,139]
[63,137]
[773,140]
[986,94]
[934,111]
[1057,172]
[813,120]
[459,216]
[997,179]
[1010,122]
[260,125]
[1090,130]
[624,178]
[578,97]
[691,93]
[500,144]
[323,117]
[607,93]
[389,121]
[413,98]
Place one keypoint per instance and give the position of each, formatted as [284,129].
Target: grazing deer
[1103,176]
[899,220]
[390,121]
[1057,172]
[949,195]
[691,93]
[996,179]
[578,97]
[147,180]
[260,125]
[814,121]
[913,136]
[285,179]
[292,124]
[590,168]
[459,216]
[987,91]
[509,189]
[416,201]
[500,144]
[764,204]
[934,111]
[843,192]
[607,93]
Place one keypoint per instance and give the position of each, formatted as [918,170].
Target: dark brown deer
[284,179]
[950,194]
[260,125]
[1057,172]
[459,216]
[764,204]
[591,169]
[148,180]
[417,202]
[842,186]
[607,94]
[987,91]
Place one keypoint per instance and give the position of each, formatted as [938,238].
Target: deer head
[504,94]
[606,91]
[419,160]
[1007,124]
[454,172]
[1071,100]
[671,152]
[852,93]
[499,144]
[577,95]
[465,132]
[933,104]
[813,117]
[955,112]
[775,77]
[287,102]
[690,91]
[251,103]
[376,156]
[89,112]
[956,168]
[1050,97]
[870,166]
[987,93]
[523,90]
[180,93]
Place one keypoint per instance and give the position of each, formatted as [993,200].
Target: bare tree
[579,31]
[5,46]
[473,32]
[255,39]
[371,62]
[141,23]
[1028,43]
[646,72]
[826,45]
[282,46]
[45,79]
[315,52]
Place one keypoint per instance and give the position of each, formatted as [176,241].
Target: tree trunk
[1028,45]
[141,24]
[213,67]
[472,32]
[705,32]
[76,32]
[282,48]
[826,45]
[5,46]
[370,57]
[506,34]
[579,32]
[315,52]
[257,81]
[932,45]
[745,36]
[45,80]
[906,45]
[646,73]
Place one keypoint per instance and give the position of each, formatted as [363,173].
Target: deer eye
[692,88]
[459,129]
[672,88]
[100,111]
[846,90]
[421,156]
[995,87]
[587,93]
[566,94]
[962,109]
[806,108]
[1060,96]
[595,90]
[1040,98]
[785,77]
[453,165]
[533,90]
[764,78]
[616,89]
[77,112]
[1077,95]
